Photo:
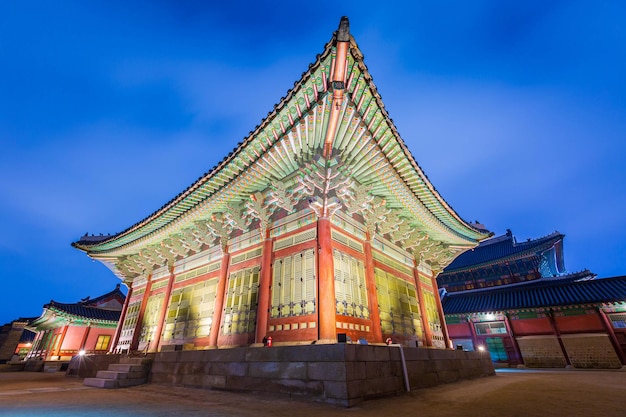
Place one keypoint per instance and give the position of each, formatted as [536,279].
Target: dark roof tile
[541,293]
[85,311]
[500,247]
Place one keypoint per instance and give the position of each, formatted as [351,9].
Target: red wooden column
[509,328]
[470,323]
[120,324]
[220,294]
[442,318]
[327,318]
[50,336]
[265,284]
[134,344]
[557,332]
[161,319]
[612,337]
[428,334]
[83,343]
[61,339]
[372,294]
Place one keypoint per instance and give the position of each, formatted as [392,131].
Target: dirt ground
[511,393]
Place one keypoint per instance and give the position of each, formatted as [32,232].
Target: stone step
[125,367]
[136,361]
[128,373]
[121,375]
[101,383]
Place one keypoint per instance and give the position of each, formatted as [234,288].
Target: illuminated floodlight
[481,348]
[81,352]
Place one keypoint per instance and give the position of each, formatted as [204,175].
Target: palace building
[65,329]
[516,300]
[503,260]
[319,225]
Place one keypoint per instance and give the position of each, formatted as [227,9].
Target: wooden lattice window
[103,342]
[190,311]
[150,318]
[293,285]
[434,322]
[350,286]
[132,313]
[398,305]
[493,327]
[241,301]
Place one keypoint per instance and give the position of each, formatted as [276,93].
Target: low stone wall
[343,374]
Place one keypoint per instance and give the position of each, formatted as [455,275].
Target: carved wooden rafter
[189,240]
[391,223]
[140,264]
[203,233]
[237,218]
[220,228]
[376,213]
[153,256]
[127,268]
[257,208]
[172,248]
[325,185]
[414,243]
[281,197]
[403,232]
[359,199]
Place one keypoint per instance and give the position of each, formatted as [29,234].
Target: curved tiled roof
[501,247]
[543,293]
[84,311]
[209,192]
[116,293]
[90,310]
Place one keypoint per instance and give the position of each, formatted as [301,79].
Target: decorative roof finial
[343,33]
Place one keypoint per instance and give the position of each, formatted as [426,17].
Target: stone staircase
[129,372]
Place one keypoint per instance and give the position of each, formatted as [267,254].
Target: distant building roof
[84,311]
[573,289]
[105,309]
[104,300]
[499,248]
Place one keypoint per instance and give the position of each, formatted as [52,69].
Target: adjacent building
[516,300]
[15,339]
[320,224]
[65,329]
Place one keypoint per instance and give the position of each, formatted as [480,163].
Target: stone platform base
[341,374]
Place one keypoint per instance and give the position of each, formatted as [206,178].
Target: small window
[103,342]
[494,327]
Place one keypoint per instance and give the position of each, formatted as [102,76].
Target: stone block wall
[541,352]
[342,374]
[591,351]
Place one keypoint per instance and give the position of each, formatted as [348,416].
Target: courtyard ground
[519,393]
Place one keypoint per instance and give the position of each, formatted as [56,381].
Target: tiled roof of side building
[500,247]
[84,311]
[542,293]
[116,293]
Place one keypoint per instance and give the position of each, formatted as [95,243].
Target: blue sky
[516,112]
